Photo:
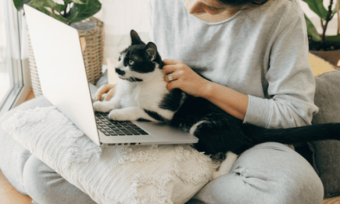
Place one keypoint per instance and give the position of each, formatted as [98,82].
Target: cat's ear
[151,50]
[135,40]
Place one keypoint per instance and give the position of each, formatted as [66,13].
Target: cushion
[326,153]
[113,174]
[318,65]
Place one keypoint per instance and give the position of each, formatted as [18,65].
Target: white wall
[120,16]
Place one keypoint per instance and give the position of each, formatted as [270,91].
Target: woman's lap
[267,173]
[45,186]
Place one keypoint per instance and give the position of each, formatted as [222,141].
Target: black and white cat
[141,93]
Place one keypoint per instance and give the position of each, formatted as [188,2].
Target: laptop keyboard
[117,128]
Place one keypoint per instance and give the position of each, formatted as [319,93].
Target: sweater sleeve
[291,84]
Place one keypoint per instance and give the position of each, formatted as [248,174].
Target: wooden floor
[9,195]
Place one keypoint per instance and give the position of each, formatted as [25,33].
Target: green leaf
[312,30]
[317,7]
[41,5]
[20,3]
[60,18]
[38,4]
[79,12]
[79,1]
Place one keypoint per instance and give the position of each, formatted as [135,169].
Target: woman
[256,55]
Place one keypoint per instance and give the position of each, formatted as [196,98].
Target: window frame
[18,90]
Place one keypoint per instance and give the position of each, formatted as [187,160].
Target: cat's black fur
[220,132]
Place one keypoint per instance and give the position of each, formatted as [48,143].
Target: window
[11,81]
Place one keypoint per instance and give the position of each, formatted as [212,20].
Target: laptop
[62,74]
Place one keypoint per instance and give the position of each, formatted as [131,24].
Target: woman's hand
[107,88]
[184,78]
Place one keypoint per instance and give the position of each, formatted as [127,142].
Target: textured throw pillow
[326,153]
[115,174]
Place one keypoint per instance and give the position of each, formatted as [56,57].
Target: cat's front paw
[103,107]
[120,115]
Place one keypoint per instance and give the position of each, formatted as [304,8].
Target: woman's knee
[35,177]
[45,186]
[266,173]
[32,183]
[281,173]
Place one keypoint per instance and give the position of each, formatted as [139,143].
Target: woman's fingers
[174,76]
[169,68]
[110,94]
[183,77]
[103,89]
[173,84]
[100,93]
[171,61]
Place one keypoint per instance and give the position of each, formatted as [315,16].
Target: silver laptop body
[64,83]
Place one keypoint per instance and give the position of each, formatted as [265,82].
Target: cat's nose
[120,72]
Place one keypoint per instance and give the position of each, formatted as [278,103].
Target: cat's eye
[119,58]
[131,62]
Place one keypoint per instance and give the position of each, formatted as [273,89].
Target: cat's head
[139,62]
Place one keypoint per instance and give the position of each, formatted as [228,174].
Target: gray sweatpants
[269,173]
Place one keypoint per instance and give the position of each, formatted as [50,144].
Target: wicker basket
[33,69]
[92,55]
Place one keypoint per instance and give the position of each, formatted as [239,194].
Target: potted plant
[326,47]
[78,14]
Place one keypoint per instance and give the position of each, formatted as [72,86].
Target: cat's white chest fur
[143,95]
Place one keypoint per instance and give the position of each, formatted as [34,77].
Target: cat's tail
[330,131]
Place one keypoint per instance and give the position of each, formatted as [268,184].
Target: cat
[141,93]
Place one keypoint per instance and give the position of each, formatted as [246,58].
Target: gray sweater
[261,52]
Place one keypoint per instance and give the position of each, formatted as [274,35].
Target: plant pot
[92,55]
[332,57]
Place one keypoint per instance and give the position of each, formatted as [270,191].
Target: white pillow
[123,174]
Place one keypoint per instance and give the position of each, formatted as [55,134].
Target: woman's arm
[229,100]
[288,84]
[184,78]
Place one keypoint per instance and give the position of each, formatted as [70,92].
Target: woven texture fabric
[94,51]
[33,69]
[120,174]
